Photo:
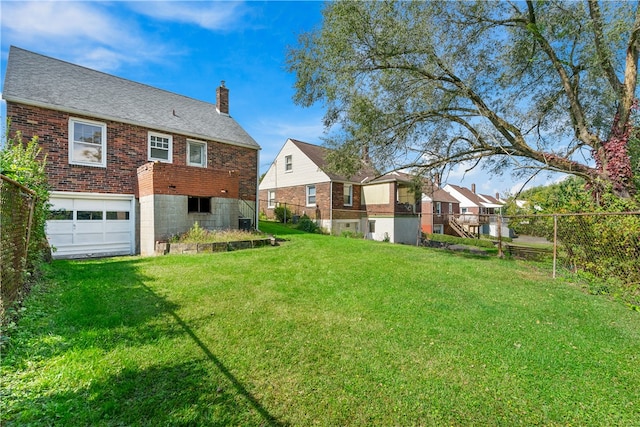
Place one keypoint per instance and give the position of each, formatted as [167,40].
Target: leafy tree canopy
[536,85]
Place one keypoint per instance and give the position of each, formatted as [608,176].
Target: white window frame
[348,194]
[203,163]
[450,208]
[271,199]
[72,142]
[438,208]
[438,229]
[308,190]
[288,163]
[169,148]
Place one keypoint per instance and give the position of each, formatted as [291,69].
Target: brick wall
[171,179]
[126,151]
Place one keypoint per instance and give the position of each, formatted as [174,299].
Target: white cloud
[209,15]
[85,33]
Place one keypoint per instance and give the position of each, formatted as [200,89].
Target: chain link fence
[16,216]
[606,245]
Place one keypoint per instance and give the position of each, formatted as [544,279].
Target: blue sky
[188,47]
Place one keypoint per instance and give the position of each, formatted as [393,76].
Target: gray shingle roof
[51,83]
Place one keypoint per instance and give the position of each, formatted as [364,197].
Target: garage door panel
[88,204]
[57,240]
[98,226]
[117,238]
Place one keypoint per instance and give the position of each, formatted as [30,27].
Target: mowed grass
[318,331]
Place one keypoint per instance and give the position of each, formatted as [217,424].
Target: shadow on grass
[104,304]
[185,393]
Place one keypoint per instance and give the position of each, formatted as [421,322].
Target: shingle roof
[317,155]
[51,83]
[442,196]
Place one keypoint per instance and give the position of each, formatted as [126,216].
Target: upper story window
[87,143]
[271,199]
[348,195]
[197,153]
[438,208]
[311,195]
[288,163]
[450,208]
[160,147]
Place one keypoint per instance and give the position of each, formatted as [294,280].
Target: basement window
[199,205]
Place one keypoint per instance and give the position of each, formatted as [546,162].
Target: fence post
[555,243]
[500,254]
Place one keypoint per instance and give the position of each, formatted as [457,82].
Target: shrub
[24,163]
[283,214]
[306,224]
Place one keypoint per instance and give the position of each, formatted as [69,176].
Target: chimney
[436,180]
[222,99]
[497,196]
[365,154]
[473,188]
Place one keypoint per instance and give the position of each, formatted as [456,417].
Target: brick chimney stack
[222,99]
[473,188]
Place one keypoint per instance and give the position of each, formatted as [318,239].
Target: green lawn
[318,331]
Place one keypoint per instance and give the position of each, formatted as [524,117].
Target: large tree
[528,85]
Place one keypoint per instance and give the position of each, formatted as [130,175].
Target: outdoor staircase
[458,228]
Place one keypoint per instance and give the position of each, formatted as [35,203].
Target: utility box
[244,224]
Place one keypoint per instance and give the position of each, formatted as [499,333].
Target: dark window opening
[200,204]
[60,215]
[119,215]
[89,215]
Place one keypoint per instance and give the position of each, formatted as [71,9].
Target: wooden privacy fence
[17,203]
[604,244]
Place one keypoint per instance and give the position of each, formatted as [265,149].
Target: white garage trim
[91,224]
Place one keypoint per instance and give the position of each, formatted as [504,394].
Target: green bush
[460,240]
[306,224]
[24,162]
[283,214]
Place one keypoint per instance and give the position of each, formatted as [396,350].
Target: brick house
[129,164]
[379,208]
[438,210]
[477,212]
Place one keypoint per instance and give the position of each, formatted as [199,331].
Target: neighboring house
[438,209]
[379,208]
[129,164]
[393,209]
[477,212]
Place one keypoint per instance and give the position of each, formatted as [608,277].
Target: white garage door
[91,225]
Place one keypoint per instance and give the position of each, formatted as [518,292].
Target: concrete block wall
[163,216]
